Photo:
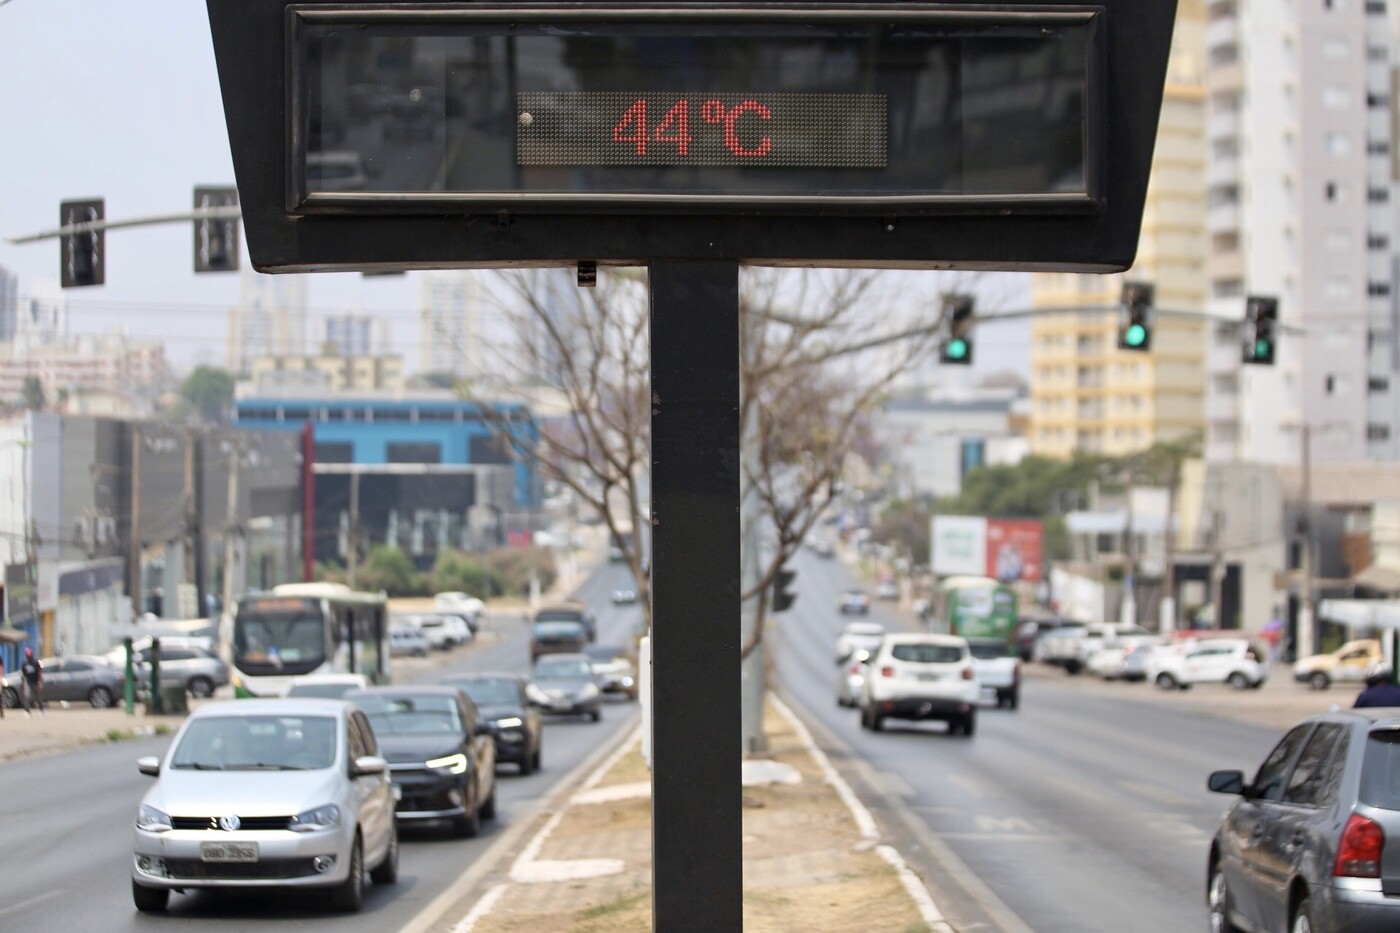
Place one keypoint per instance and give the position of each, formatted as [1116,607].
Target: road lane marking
[1003,825]
[480,909]
[37,899]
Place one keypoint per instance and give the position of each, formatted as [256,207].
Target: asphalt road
[1079,812]
[64,862]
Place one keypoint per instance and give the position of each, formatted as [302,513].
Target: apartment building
[1301,206]
[1086,394]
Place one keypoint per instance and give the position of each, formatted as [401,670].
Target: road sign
[898,135]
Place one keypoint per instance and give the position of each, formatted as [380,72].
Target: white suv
[1215,660]
[922,677]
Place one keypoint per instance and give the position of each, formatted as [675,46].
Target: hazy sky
[120,99]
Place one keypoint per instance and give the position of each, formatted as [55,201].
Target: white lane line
[928,910]
[37,899]
[480,909]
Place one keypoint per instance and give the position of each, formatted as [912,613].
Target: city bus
[974,607]
[305,628]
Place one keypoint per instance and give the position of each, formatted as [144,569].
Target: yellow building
[1086,394]
[330,371]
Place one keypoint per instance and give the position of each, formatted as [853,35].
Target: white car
[470,607]
[1230,661]
[257,793]
[407,640]
[856,643]
[922,677]
[443,631]
[998,669]
[325,686]
[1124,658]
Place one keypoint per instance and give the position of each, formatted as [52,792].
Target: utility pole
[352,559]
[1307,635]
[1168,611]
[231,529]
[133,547]
[1127,614]
[193,539]
[1217,567]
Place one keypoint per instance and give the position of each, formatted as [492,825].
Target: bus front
[275,639]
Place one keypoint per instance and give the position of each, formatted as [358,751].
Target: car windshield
[410,714]
[490,692]
[256,743]
[558,615]
[558,630]
[327,691]
[927,654]
[986,650]
[562,669]
[603,652]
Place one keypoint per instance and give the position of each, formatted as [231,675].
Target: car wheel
[526,764]
[969,724]
[149,900]
[349,896]
[1238,681]
[468,824]
[877,722]
[10,698]
[488,809]
[1166,682]
[595,715]
[535,759]
[100,697]
[1073,667]
[1302,918]
[201,687]
[1013,699]
[865,717]
[387,871]
[1319,680]
[1218,901]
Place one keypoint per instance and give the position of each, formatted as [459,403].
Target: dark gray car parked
[77,678]
[1305,847]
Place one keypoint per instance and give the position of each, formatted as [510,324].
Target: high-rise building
[354,335]
[1301,207]
[1086,394]
[448,312]
[9,304]
[270,319]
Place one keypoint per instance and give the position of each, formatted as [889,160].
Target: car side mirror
[148,765]
[1226,782]
[368,764]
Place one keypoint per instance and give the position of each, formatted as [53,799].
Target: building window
[1375,7]
[1378,195]
[1377,289]
[487,448]
[1377,432]
[1338,288]
[1333,191]
[296,414]
[1377,241]
[334,452]
[1335,98]
[1378,384]
[413,453]
[1338,145]
[393,414]
[1378,147]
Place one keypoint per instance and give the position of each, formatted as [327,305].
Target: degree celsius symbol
[674,126]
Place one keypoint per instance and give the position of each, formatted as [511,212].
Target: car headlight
[535,694]
[588,692]
[327,817]
[510,722]
[452,764]
[152,820]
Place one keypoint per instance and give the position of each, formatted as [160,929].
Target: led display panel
[663,108]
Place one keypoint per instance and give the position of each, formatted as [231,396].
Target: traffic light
[1135,325]
[783,595]
[81,256]
[1260,329]
[215,239]
[956,345]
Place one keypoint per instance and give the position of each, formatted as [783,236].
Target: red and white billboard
[1007,549]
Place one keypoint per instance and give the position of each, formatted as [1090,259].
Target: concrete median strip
[813,857]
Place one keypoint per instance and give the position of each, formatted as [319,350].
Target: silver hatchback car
[276,792]
[1313,842]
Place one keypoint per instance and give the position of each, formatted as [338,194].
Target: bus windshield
[287,641]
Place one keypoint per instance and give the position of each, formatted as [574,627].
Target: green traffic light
[1262,349]
[1135,336]
[956,349]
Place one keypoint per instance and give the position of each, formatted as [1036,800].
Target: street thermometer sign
[380,136]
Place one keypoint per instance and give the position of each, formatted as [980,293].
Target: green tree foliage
[1029,489]
[905,524]
[456,571]
[210,391]
[515,567]
[389,569]
[33,392]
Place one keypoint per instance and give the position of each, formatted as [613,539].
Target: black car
[440,752]
[564,683]
[515,724]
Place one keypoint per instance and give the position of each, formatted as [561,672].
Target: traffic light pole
[94,226]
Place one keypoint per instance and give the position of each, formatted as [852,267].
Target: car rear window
[987,650]
[1380,770]
[927,654]
[558,630]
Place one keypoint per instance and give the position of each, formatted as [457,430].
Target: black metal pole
[697,838]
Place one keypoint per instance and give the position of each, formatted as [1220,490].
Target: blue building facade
[431,471]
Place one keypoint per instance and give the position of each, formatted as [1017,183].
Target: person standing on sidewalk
[32,682]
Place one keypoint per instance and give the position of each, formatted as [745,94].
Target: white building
[1301,206]
[449,315]
[270,319]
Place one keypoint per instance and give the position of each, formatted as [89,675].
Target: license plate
[561,705]
[930,676]
[229,851]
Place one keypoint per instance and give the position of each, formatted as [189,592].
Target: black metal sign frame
[255,46]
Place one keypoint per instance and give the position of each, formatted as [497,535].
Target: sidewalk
[812,858]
